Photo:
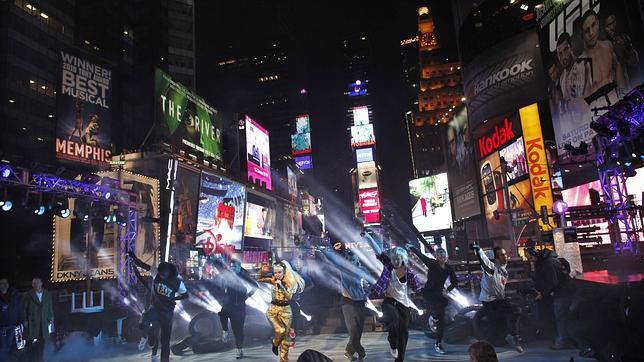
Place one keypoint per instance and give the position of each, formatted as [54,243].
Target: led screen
[367,175]
[259,221]
[360,116]
[220,218]
[370,205]
[362,136]
[357,88]
[431,205]
[259,154]
[514,156]
[304,162]
[364,155]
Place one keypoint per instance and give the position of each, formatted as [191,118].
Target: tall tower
[439,93]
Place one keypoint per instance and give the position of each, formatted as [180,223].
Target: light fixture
[50,115]
[12,101]
[559,207]
[31,81]
[524,7]
[44,16]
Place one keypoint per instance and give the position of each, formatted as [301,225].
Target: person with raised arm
[286,283]
[434,292]
[395,283]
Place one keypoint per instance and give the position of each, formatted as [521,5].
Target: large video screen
[362,136]
[304,162]
[370,205]
[259,154]
[357,88]
[301,139]
[259,221]
[367,175]
[220,218]
[514,156]
[360,116]
[431,205]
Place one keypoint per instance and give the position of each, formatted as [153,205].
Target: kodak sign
[501,135]
[536,156]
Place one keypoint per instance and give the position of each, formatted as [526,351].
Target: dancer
[237,287]
[394,284]
[286,283]
[495,276]
[354,297]
[167,287]
[434,291]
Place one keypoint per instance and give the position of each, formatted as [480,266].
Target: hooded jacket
[548,277]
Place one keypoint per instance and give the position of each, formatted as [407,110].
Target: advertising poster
[259,154]
[370,205]
[362,136]
[301,139]
[185,120]
[184,218]
[73,241]
[360,116]
[147,191]
[592,57]
[364,155]
[461,169]
[84,111]
[220,218]
[259,221]
[491,183]
[304,162]
[367,175]
[514,156]
[430,203]
[520,200]
[508,75]
[291,177]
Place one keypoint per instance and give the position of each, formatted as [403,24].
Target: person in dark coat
[39,310]
[12,315]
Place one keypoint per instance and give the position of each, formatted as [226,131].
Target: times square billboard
[84,110]
[258,154]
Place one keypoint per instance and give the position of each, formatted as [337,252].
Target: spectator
[39,309]
[11,315]
[482,351]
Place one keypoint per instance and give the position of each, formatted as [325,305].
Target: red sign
[498,138]
[370,205]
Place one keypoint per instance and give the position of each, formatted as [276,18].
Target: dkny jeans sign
[504,77]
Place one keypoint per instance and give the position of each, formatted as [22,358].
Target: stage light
[6,172]
[559,207]
[40,210]
[108,195]
[7,205]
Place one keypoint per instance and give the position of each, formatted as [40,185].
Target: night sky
[314,32]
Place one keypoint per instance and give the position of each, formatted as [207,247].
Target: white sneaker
[513,341]
[394,352]
[154,359]
[240,353]
[226,337]
[143,343]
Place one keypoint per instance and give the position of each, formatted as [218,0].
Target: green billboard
[185,120]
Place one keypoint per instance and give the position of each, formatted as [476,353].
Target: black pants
[354,314]
[237,316]
[396,318]
[503,309]
[162,320]
[437,304]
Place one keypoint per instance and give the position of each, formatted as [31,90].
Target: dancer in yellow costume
[286,282]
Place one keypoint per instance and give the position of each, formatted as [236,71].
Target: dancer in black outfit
[434,291]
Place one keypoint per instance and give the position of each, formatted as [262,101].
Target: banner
[185,120]
[430,199]
[537,162]
[370,205]
[504,77]
[593,57]
[258,154]
[84,111]
[461,170]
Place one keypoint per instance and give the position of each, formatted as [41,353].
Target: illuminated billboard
[514,156]
[367,175]
[220,218]
[370,205]
[258,154]
[364,155]
[304,162]
[84,104]
[259,221]
[301,139]
[357,88]
[185,120]
[360,116]
[291,177]
[362,136]
[431,205]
